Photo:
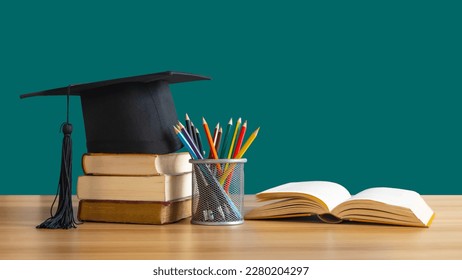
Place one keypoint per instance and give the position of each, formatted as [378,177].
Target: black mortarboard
[127,115]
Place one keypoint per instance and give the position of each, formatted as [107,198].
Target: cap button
[67,128]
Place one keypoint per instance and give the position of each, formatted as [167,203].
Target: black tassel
[64,216]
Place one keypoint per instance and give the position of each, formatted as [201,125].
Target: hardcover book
[141,188]
[134,212]
[136,164]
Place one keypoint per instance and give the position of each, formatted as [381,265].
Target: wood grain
[277,239]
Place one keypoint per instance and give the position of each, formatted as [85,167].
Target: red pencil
[240,139]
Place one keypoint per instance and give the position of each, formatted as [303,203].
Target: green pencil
[224,143]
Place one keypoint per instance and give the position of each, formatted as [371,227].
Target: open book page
[285,208]
[398,197]
[328,194]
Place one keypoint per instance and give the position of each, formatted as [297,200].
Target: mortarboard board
[126,115]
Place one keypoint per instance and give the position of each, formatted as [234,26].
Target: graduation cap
[126,115]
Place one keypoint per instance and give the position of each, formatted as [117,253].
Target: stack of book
[135,188]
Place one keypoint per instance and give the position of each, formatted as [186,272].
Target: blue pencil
[185,143]
[190,140]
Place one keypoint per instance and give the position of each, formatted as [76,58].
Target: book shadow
[314,219]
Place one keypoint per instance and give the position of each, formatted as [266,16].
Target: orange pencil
[213,151]
[214,138]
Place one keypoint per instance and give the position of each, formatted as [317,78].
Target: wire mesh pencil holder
[217,191]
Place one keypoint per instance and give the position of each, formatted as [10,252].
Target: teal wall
[363,93]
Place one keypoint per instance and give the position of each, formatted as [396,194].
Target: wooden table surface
[282,239]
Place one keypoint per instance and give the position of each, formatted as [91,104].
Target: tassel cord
[64,216]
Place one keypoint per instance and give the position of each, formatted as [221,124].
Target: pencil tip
[239,120]
[203,120]
[245,123]
[230,121]
[187,117]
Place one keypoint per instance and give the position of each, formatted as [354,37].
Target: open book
[333,203]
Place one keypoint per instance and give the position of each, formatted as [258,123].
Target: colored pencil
[193,134]
[240,139]
[239,155]
[217,143]
[189,139]
[215,133]
[224,143]
[199,141]
[248,143]
[214,137]
[238,124]
[188,124]
[185,143]
[236,150]
[209,139]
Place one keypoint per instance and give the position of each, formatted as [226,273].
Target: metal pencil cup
[217,191]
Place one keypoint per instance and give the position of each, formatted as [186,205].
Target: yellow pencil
[239,155]
[247,143]
[231,146]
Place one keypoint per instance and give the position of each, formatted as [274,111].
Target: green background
[363,93]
